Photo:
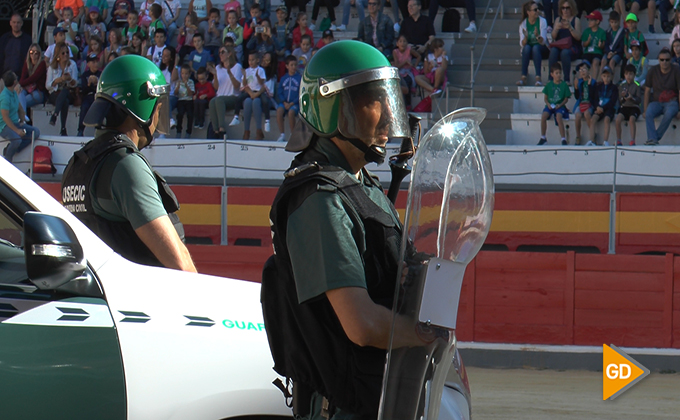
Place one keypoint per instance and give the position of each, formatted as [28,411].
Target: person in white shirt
[252,86]
[227,77]
[62,77]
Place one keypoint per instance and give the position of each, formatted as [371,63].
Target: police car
[86,334]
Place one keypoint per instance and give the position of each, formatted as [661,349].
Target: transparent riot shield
[448,215]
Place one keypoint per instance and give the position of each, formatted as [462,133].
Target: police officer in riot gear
[109,184]
[328,290]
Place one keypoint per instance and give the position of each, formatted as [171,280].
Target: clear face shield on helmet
[371,106]
[162,92]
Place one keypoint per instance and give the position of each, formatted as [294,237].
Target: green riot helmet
[133,86]
[349,90]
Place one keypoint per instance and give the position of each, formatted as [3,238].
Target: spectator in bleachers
[70,27]
[262,42]
[33,78]
[234,5]
[270,66]
[59,35]
[185,39]
[213,35]
[635,7]
[402,58]
[330,5]
[139,43]
[639,61]
[346,12]
[630,99]
[593,40]
[585,93]
[227,77]
[236,32]
[132,27]
[96,48]
[661,96]
[201,7]
[566,26]
[301,30]
[469,8]
[115,43]
[12,125]
[204,94]
[57,15]
[171,11]
[326,38]
[303,53]
[252,23]
[62,78]
[102,5]
[264,6]
[112,56]
[155,52]
[14,45]
[418,29]
[88,87]
[300,4]
[607,97]
[434,69]
[119,13]
[199,57]
[252,87]
[613,48]
[666,17]
[282,31]
[94,25]
[288,96]
[377,29]
[675,52]
[551,10]
[145,14]
[675,33]
[156,11]
[532,39]
[185,91]
[588,6]
[556,93]
[634,34]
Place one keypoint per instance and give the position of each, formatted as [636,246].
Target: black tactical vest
[307,341]
[98,159]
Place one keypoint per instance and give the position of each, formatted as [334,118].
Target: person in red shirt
[204,93]
[301,29]
[326,38]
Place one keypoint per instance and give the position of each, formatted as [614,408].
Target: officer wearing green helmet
[110,186]
[327,291]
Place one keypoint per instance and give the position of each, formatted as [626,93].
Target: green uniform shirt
[597,36]
[325,237]
[556,93]
[134,192]
[635,35]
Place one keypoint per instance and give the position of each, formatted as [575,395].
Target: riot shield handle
[399,163]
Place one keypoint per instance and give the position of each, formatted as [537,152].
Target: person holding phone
[62,78]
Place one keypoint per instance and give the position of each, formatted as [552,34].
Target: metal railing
[473,70]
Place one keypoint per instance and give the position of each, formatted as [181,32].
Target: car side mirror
[53,254]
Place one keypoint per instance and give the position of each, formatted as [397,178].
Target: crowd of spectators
[240,57]
[613,82]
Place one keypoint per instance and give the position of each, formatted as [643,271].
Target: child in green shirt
[555,94]
[593,39]
[155,12]
[634,35]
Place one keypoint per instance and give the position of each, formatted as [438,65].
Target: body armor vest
[99,158]
[307,341]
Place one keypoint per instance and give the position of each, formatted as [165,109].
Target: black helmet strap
[372,153]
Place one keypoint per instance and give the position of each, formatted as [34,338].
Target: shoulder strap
[169,9]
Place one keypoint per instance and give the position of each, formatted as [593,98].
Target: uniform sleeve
[323,243]
[135,192]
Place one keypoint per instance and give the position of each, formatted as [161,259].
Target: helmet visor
[373,112]
[163,104]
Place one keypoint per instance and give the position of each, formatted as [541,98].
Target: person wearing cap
[585,93]
[102,5]
[88,87]
[639,61]
[607,96]
[633,34]
[94,25]
[328,289]
[593,39]
[59,35]
[123,200]
[282,30]
[326,38]
[635,7]
[566,26]
[661,96]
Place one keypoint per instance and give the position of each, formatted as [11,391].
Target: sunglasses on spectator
[64,53]
[535,9]
[33,52]
[566,8]
[663,60]
[372,4]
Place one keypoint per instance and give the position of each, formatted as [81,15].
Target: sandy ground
[555,395]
